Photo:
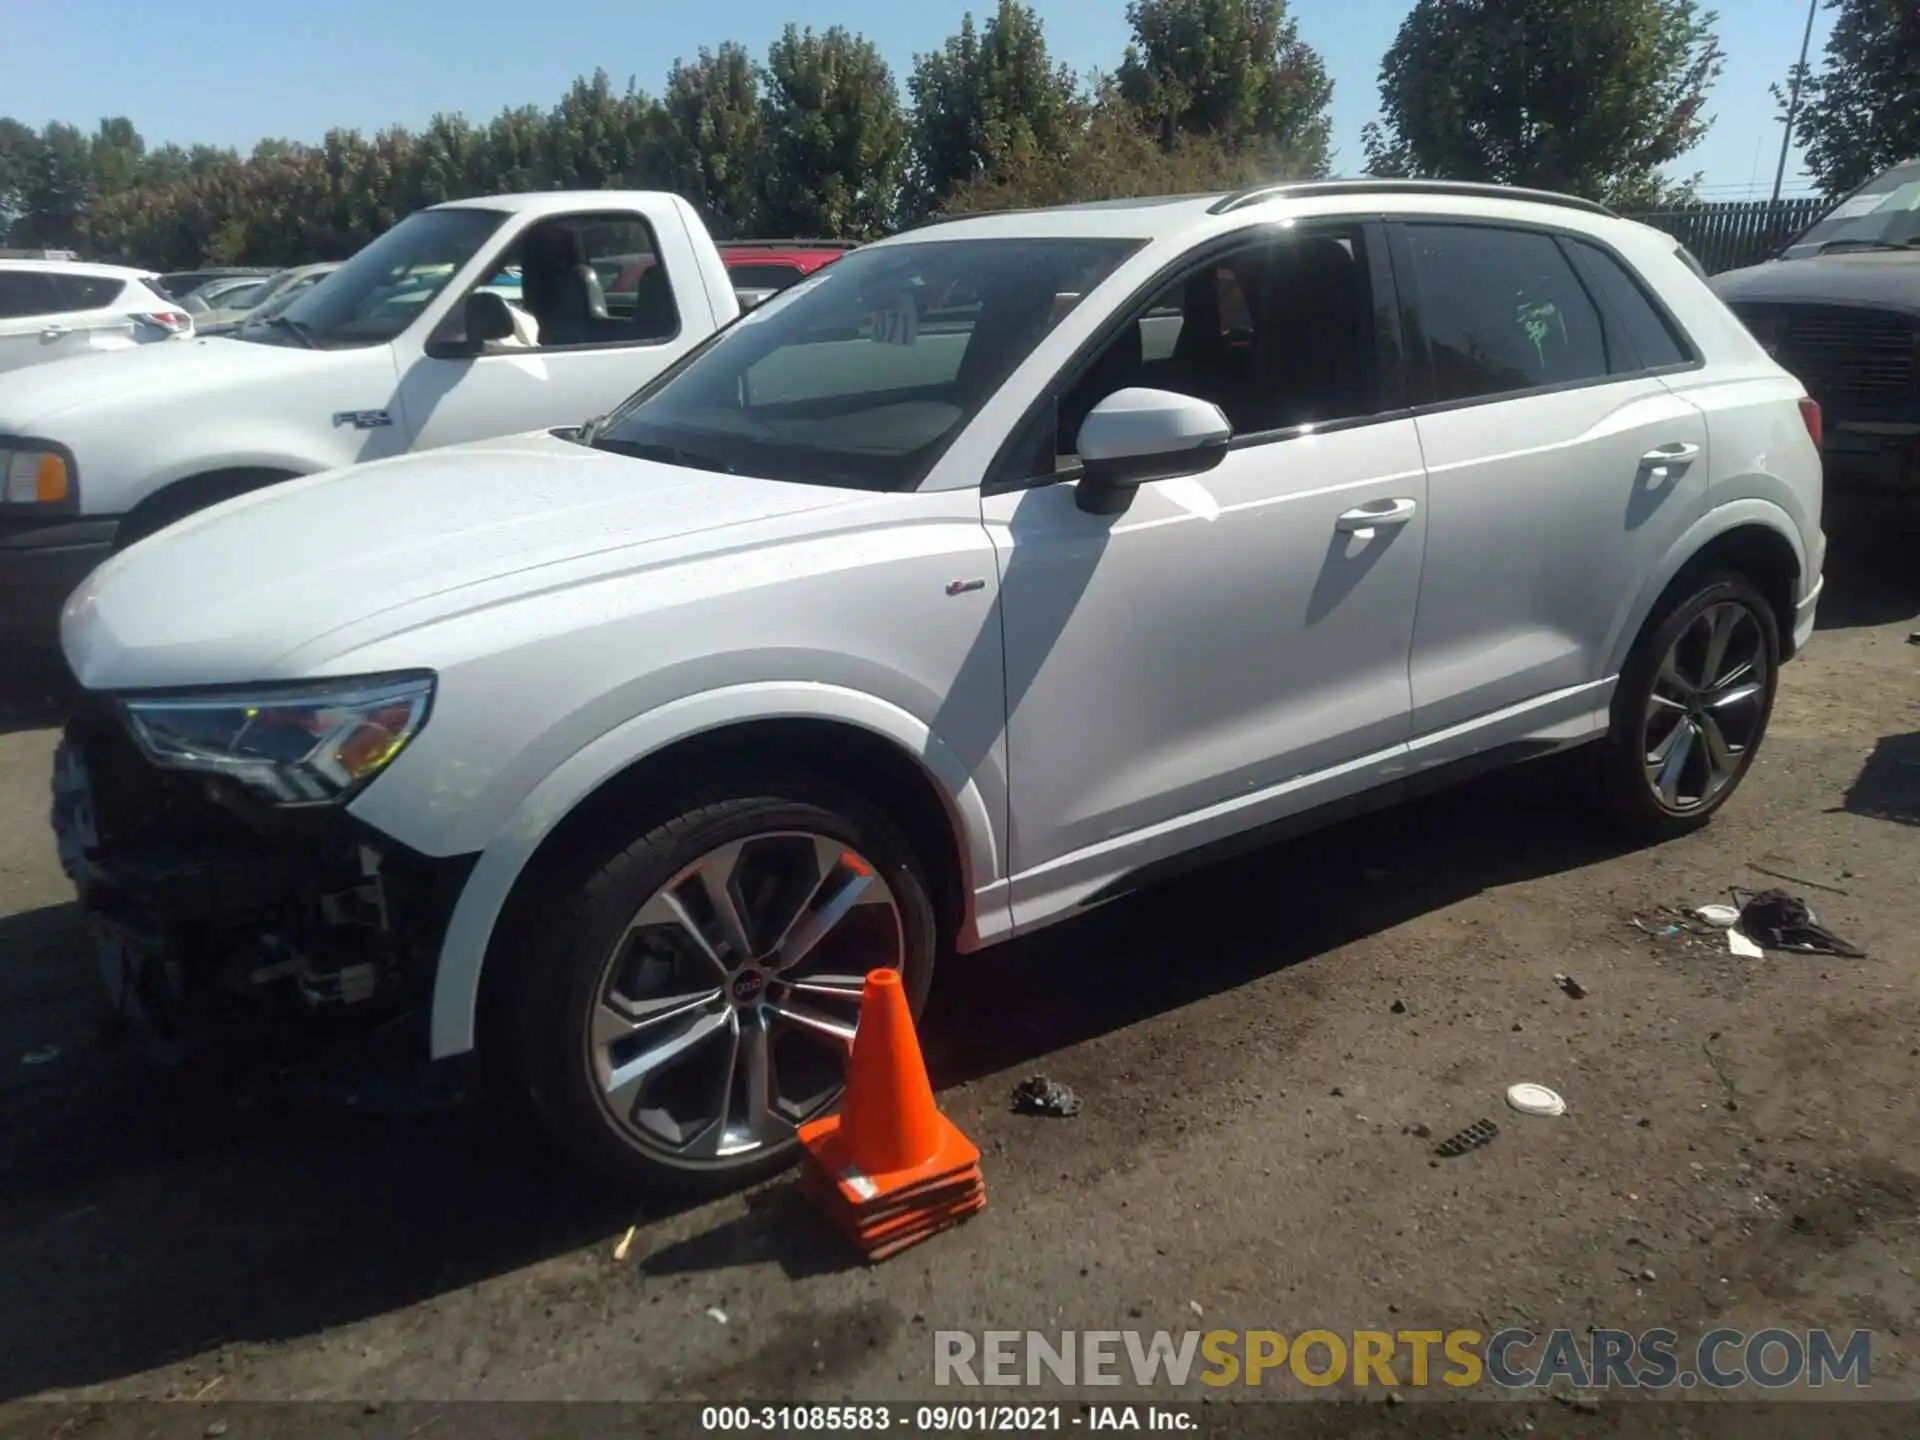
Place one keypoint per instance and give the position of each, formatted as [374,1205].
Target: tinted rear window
[1502,311]
[88,292]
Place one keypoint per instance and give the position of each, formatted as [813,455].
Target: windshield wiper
[666,454]
[293,328]
[1855,244]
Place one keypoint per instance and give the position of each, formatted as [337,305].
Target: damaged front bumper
[210,910]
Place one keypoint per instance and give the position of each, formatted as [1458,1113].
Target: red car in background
[760,269]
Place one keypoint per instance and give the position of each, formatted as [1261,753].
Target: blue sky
[193,70]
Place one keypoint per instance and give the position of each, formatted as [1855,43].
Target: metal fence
[1736,233]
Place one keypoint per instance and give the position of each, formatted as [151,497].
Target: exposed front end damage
[211,910]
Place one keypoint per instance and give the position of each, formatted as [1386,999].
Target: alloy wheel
[724,1015]
[1707,707]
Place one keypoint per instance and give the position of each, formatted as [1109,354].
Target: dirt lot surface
[1253,1046]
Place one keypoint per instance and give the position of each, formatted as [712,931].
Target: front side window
[581,280]
[1502,311]
[1277,333]
[1883,214]
[378,293]
[863,373]
[27,292]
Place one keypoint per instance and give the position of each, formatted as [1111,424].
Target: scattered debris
[1471,1138]
[1721,917]
[1780,921]
[716,1314]
[1531,1099]
[1783,875]
[1572,986]
[1037,1095]
[1914,638]
[1646,1273]
[1579,1404]
[41,1056]
[1336,1092]
[1740,945]
[215,1429]
[1420,1132]
[1399,1007]
[626,1243]
[1194,1305]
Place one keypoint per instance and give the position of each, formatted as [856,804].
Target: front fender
[470,929]
[1716,522]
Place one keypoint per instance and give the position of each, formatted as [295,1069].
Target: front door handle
[1365,520]
[54,332]
[1682,453]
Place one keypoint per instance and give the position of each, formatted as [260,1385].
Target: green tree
[987,98]
[19,162]
[1860,112]
[599,138]
[117,155]
[836,138]
[1589,99]
[1233,71]
[709,138]
[59,188]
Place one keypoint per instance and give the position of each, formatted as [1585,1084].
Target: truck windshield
[1884,213]
[378,293]
[862,374]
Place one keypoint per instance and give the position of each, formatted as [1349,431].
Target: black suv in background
[1840,308]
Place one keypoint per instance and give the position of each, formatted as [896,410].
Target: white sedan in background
[54,309]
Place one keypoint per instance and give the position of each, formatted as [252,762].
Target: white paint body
[141,421]
[72,334]
[1115,691]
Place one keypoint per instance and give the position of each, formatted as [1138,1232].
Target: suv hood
[132,382]
[230,594]
[1883,279]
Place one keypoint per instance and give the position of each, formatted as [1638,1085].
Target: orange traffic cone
[889,1169]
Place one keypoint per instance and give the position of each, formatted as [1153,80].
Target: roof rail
[1311,189]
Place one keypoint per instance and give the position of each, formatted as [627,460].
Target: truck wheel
[686,999]
[1692,707]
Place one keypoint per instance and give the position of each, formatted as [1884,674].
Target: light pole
[1793,101]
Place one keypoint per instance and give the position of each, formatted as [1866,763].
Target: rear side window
[1502,311]
[88,292]
[1650,341]
[27,292]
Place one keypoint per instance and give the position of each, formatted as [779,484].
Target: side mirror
[487,318]
[1136,435]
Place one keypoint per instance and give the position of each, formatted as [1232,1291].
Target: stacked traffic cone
[889,1169]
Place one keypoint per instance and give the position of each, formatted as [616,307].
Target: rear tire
[673,1046]
[1691,708]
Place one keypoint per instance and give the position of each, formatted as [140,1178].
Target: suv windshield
[1883,213]
[862,374]
[375,295]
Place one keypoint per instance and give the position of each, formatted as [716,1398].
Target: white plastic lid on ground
[1531,1099]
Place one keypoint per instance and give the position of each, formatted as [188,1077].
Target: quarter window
[1502,311]
[1650,341]
[88,292]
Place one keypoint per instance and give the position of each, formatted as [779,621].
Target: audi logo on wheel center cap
[747,986]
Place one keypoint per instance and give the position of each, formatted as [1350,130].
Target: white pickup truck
[467,320]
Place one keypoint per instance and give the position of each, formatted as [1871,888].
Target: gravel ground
[1254,1046]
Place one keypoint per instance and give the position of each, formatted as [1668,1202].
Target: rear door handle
[54,332]
[1682,453]
[1367,518]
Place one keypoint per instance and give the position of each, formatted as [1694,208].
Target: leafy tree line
[817,138]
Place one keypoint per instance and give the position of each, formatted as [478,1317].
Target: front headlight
[33,473]
[294,745]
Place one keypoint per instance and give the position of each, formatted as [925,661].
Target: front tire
[684,1000]
[1691,708]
